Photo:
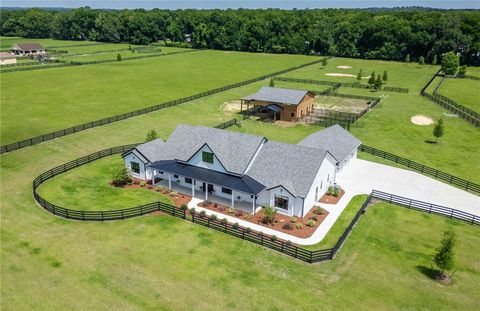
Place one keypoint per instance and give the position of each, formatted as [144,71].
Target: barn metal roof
[278,95]
[28,46]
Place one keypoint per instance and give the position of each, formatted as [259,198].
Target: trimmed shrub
[158,188]
[231,210]
[314,218]
[299,225]
[247,230]
[143,183]
[319,211]
[311,223]
[120,177]
[336,192]
[273,238]
[247,216]
[288,242]
[238,213]
[287,226]
[184,207]
[269,214]
[224,221]
[235,225]
[202,213]
[293,220]
[192,210]
[213,217]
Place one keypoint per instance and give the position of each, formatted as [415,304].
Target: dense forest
[394,34]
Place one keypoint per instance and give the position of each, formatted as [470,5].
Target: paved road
[361,176]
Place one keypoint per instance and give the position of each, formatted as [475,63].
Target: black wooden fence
[457,106]
[453,180]
[88,125]
[342,84]
[284,247]
[226,124]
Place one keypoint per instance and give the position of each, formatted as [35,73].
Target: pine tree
[385,76]
[462,70]
[119,57]
[371,80]
[272,83]
[378,82]
[359,75]
[407,58]
[324,61]
[438,130]
[421,61]
[443,258]
[434,59]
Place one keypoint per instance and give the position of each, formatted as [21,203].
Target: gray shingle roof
[292,166]
[338,141]
[29,46]
[233,149]
[278,95]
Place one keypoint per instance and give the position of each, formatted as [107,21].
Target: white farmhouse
[247,171]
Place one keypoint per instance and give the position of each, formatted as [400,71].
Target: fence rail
[453,180]
[281,246]
[341,84]
[88,125]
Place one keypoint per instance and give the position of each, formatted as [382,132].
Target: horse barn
[284,104]
[27,49]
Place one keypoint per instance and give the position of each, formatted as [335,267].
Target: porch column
[233,199]
[241,105]
[153,177]
[193,188]
[253,206]
[206,192]
[169,182]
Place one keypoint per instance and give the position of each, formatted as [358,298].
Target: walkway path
[361,177]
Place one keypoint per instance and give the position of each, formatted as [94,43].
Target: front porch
[247,207]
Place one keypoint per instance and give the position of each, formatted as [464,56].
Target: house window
[226,190]
[281,202]
[135,167]
[207,157]
[175,176]
[292,114]
[188,180]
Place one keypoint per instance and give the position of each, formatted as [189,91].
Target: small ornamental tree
[421,61]
[371,80]
[151,135]
[119,57]
[385,76]
[324,61]
[450,63]
[269,214]
[462,70]
[434,59]
[444,257]
[272,83]
[359,75]
[438,130]
[407,58]
[378,82]
[120,177]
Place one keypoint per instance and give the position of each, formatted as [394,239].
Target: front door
[210,188]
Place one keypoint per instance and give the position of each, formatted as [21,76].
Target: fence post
[83,215]
[430,209]
[66,212]
[122,214]
[451,214]
[208,222]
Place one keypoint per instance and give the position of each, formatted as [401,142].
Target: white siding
[197,161]
[342,164]
[323,179]
[132,157]
[283,192]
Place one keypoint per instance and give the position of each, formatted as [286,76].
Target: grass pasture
[7,42]
[162,263]
[465,92]
[74,95]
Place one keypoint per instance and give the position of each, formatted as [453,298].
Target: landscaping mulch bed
[282,222]
[178,200]
[330,199]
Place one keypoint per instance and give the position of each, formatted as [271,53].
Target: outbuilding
[7,59]
[27,49]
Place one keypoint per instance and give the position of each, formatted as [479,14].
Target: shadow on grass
[428,141]
[428,271]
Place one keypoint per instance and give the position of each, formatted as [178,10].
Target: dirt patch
[282,223]
[340,75]
[339,104]
[421,120]
[231,106]
[285,123]
[330,199]
[344,67]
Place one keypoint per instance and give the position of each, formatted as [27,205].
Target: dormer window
[207,157]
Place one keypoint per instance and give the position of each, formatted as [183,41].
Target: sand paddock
[232,106]
[421,120]
[344,67]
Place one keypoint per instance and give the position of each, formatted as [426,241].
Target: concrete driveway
[361,177]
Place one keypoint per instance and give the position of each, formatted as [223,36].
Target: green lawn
[408,75]
[113,55]
[88,188]
[465,92]
[74,95]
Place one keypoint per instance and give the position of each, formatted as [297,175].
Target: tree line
[394,34]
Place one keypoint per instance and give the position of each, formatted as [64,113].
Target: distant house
[285,104]
[245,171]
[7,58]
[27,49]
